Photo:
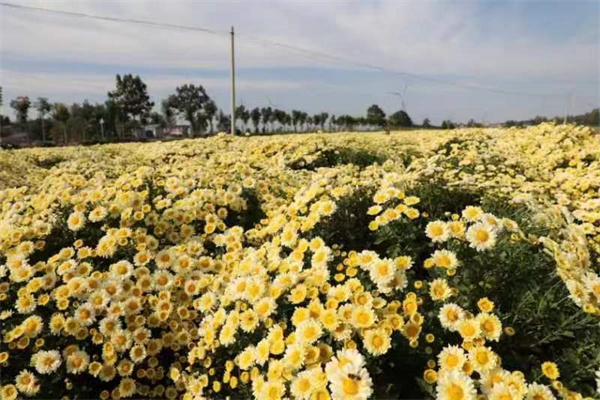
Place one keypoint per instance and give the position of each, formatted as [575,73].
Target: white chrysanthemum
[289,236]
[265,307]
[342,359]
[472,214]
[535,391]
[98,214]
[377,341]
[491,378]
[109,325]
[490,326]
[351,384]
[591,281]
[444,259]
[99,300]
[363,317]
[76,221]
[483,359]
[27,383]
[382,271]
[339,292]
[481,236]
[26,304]
[85,314]
[294,356]
[138,353]
[455,385]
[309,331]
[247,358]
[121,339]
[271,389]
[46,362]
[77,362]
[452,358]
[469,329]
[439,289]
[493,221]
[127,387]
[33,326]
[450,315]
[164,259]
[437,231]
[303,385]
[162,279]
[504,391]
[122,269]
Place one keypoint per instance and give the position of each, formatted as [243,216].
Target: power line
[378,68]
[115,19]
[314,54]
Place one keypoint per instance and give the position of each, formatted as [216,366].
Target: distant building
[157,131]
[176,130]
[152,131]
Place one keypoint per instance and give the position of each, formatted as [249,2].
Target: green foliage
[190,101]
[337,156]
[21,106]
[375,115]
[131,96]
[517,275]
[400,119]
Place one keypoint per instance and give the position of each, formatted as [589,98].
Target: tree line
[128,110]
[591,118]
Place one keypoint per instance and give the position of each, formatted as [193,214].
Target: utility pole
[232,83]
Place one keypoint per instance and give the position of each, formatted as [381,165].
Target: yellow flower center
[350,386]
[452,360]
[482,357]
[455,392]
[482,235]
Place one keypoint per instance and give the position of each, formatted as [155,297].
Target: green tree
[375,116]
[43,107]
[190,101]
[266,116]
[168,113]
[114,114]
[296,116]
[303,120]
[281,117]
[323,119]
[426,123]
[61,114]
[157,119]
[21,106]
[255,115]
[131,97]
[223,122]
[210,109]
[346,122]
[400,119]
[447,124]
[472,124]
[242,114]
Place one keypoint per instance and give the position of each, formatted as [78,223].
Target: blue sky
[537,53]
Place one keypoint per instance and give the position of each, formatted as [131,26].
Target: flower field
[453,265]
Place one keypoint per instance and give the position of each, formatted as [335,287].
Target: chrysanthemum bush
[309,267]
